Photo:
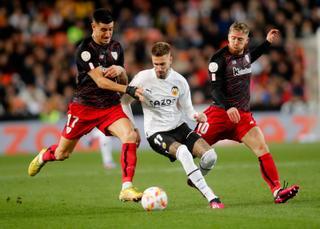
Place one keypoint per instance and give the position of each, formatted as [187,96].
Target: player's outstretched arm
[97,75]
[273,35]
[186,106]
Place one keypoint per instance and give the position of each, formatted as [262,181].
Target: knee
[130,136]
[208,159]
[264,147]
[261,149]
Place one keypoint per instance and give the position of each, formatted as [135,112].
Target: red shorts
[82,119]
[219,126]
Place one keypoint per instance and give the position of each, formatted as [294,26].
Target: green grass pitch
[79,193]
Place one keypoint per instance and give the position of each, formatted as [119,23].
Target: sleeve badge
[213,67]
[85,56]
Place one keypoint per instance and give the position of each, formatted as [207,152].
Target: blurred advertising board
[31,136]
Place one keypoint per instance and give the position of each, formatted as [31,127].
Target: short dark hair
[102,15]
[160,49]
[240,26]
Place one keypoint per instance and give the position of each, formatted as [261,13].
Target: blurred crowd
[38,41]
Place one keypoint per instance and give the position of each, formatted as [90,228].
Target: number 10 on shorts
[203,128]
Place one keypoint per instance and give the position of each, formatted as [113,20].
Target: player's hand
[233,114]
[273,35]
[113,71]
[200,117]
[138,137]
[135,92]
[139,94]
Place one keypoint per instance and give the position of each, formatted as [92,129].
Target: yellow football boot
[36,164]
[130,194]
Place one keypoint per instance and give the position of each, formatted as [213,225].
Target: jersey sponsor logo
[114,55]
[175,91]
[85,56]
[213,67]
[162,102]
[239,71]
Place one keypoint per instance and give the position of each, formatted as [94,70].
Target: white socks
[185,157]
[276,192]
[207,161]
[126,185]
[192,171]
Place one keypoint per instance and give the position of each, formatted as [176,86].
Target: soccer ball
[154,198]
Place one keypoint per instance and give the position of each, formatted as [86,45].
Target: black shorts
[161,141]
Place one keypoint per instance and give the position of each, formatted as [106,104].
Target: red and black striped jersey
[230,77]
[90,55]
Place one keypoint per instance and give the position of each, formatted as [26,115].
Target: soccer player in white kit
[166,98]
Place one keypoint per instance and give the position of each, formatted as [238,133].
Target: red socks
[128,161]
[49,154]
[269,171]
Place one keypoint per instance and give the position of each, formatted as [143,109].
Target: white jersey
[165,100]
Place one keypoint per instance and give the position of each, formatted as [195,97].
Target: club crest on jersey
[175,91]
[164,145]
[85,56]
[247,58]
[114,55]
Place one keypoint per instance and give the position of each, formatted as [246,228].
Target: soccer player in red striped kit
[229,116]
[96,103]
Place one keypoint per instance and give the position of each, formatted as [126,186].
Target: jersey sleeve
[185,101]
[126,107]
[258,51]
[137,80]
[216,71]
[86,59]
[126,100]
